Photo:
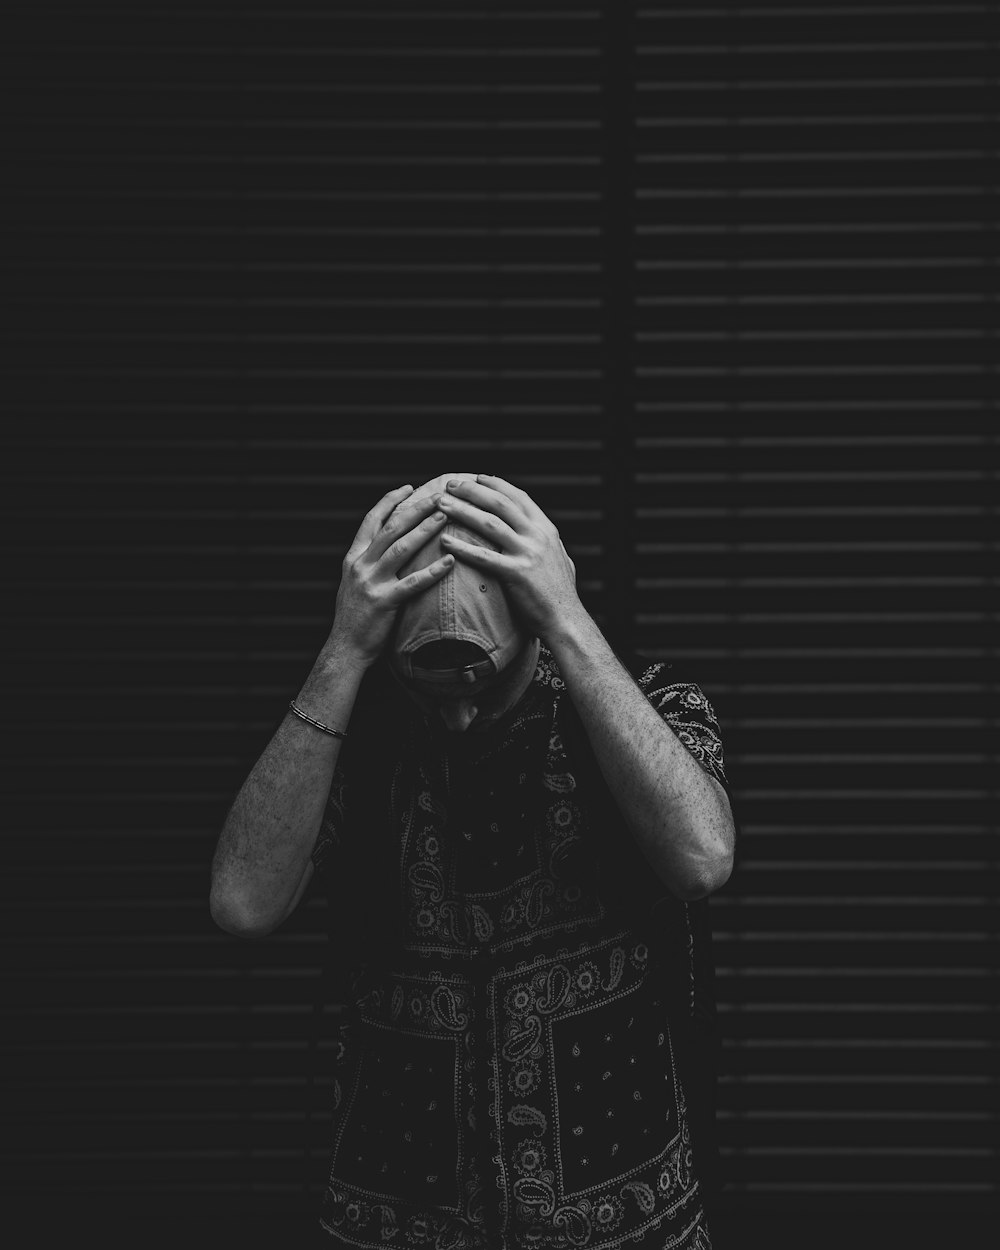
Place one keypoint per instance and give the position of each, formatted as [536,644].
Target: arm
[262,863]
[678,814]
[680,817]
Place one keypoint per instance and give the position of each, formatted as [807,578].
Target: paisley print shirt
[507,1067]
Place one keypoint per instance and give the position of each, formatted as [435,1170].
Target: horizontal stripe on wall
[715,286]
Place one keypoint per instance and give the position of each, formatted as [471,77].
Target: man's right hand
[370,593]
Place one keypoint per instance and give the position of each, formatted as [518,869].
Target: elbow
[236,917]
[710,861]
[705,878]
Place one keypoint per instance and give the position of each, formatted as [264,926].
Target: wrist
[329,691]
[340,653]
[573,632]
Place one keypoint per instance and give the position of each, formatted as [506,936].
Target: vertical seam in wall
[617,320]
[733,483]
[992,616]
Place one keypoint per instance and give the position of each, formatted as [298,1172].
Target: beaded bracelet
[334,733]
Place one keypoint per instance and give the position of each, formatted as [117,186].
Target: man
[516,841]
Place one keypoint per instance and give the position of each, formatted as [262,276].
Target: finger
[375,519]
[493,528]
[489,500]
[482,557]
[399,522]
[503,487]
[408,544]
[413,583]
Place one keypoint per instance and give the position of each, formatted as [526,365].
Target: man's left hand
[532,563]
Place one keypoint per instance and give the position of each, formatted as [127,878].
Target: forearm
[265,846]
[679,817]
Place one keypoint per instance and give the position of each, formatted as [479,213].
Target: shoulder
[669,686]
[644,670]
[547,675]
[676,696]
[683,705]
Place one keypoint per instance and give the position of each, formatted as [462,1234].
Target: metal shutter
[717,285]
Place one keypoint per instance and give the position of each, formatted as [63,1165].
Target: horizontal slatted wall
[714,285]
[815,308]
[283,261]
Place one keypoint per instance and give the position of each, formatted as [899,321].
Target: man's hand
[370,593]
[532,562]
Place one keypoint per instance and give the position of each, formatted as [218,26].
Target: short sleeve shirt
[507,1071]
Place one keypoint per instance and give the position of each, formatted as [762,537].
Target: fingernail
[452,484]
[438,516]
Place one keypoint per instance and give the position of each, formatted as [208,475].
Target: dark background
[717,285]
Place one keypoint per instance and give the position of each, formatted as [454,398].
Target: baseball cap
[466,605]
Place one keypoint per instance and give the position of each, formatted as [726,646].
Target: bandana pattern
[505,1073]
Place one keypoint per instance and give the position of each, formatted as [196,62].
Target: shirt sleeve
[684,706]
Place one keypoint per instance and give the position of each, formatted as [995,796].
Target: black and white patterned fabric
[508,1069]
